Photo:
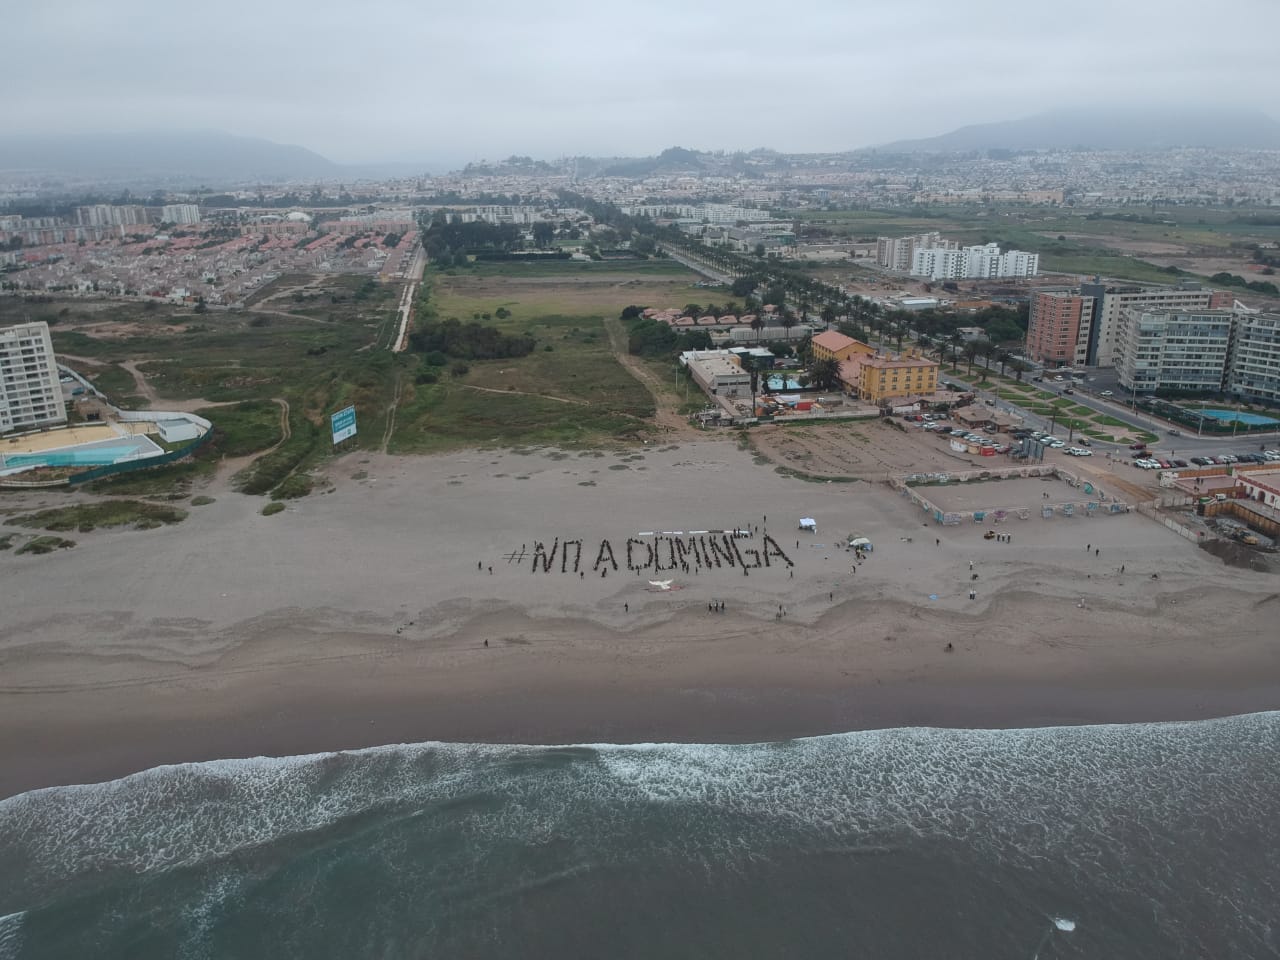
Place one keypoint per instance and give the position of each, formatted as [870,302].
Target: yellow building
[879,379]
[832,345]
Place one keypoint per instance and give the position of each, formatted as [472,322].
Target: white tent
[808,523]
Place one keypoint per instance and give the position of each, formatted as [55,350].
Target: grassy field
[570,390]
[567,289]
[319,343]
[322,350]
[1082,241]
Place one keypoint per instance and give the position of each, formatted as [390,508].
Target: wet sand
[359,617]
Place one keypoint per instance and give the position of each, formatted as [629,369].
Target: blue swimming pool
[85,456]
[1248,419]
[779,383]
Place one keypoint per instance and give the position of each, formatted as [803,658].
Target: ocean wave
[11,935]
[1117,804]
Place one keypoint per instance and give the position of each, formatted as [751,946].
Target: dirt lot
[866,450]
[1026,493]
[873,450]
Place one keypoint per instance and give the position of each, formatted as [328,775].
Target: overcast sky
[448,82]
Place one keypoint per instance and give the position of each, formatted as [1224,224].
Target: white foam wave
[1043,786]
[1062,923]
[11,935]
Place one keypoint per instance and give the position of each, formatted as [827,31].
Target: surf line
[658,552]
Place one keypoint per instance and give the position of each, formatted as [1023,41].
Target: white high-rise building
[180,213]
[896,253]
[30,395]
[1110,300]
[1254,369]
[111,215]
[973,263]
[1173,351]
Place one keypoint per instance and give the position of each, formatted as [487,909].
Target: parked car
[1068,390]
[1137,446]
[1180,463]
[1106,393]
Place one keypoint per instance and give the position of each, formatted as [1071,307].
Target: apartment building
[897,253]
[30,395]
[881,379]
[973,263]
[1173,351]
[1110,300]
[1253,370]
[833,345]
[180,213]
[1058,327]
[110,215]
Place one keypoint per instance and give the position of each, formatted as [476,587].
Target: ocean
[1149,840]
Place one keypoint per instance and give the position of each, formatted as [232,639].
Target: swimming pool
[88,455]
[1248,419]
[778,383]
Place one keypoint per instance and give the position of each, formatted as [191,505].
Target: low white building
[717,372]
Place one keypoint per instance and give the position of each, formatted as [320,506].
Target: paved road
[692,264]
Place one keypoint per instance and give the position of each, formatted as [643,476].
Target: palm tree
[788,320]
[971,350]
[1019,367]
[757,324]
[1003,357]
[825,373]
[957,341]
[987,350]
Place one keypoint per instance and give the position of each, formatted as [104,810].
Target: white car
[1057,444]
[1106,393]
[1057,379]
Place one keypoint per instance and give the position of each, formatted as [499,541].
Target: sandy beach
[360,616]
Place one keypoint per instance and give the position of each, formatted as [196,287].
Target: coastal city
[546,482]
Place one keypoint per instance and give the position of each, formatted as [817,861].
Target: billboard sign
[343,423]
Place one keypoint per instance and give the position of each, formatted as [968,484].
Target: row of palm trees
[856,316]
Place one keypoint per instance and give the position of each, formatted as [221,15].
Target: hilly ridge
[1107,129]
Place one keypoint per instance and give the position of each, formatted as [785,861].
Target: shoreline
[560,683]
[66,755]
[359,618]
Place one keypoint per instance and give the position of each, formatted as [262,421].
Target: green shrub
[293,486]
[45,545]
[272,508]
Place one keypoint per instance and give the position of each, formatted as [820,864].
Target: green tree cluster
[469,341]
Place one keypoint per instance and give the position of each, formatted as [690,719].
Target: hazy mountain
[204,156]
[1108,129]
